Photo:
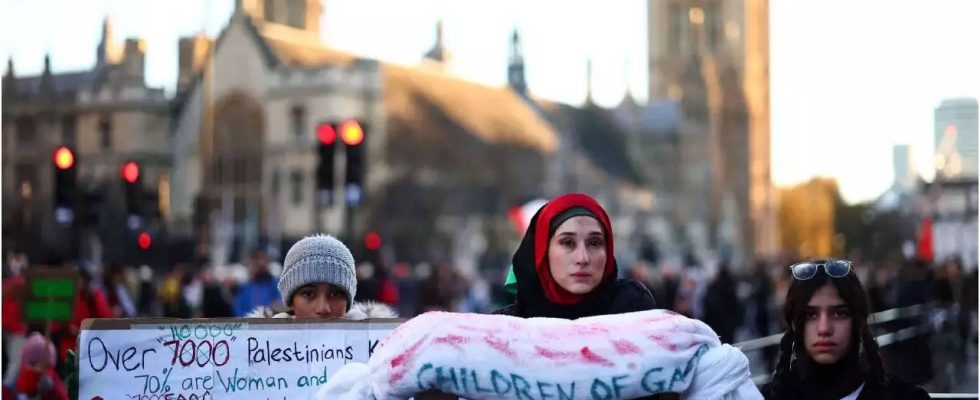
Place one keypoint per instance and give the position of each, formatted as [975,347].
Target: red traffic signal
[351,133]
[144,241]
[372,241]
[326,133]
[63,158]
[130,172]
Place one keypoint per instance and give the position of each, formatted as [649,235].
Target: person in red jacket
[37,377]
[14,328]
[90,302]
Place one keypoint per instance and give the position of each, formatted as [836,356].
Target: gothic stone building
[107,116]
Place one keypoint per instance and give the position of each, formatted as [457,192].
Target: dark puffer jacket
[626,296]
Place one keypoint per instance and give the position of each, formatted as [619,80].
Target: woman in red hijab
[565,266]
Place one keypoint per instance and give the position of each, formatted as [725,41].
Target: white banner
[171,359]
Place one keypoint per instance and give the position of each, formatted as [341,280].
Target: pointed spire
[104,54]
[47,85]
[106,28]
[438,51]
[629,88]
[516,53]
[515,69]
[588,81]
[9,88]
[439,33]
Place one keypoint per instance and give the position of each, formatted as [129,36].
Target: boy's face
[320,300]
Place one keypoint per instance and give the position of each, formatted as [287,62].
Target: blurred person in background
[171,294]
[367,282]
[37,378]
[905,358]
[880,287]
[477,298]
[114,282]
[640,272]
[260,290]
[666,289]
[375,283]
[192,289]
[828,350]
[14,328]
[443,289]
[388,293]
[968,310]
[687,302]
[761,301]
[722,310]
[147,304]
[90,302]
[216,298]
[408,289]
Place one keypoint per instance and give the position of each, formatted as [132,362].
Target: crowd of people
[563,268]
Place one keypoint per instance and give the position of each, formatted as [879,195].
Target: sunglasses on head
[834,268]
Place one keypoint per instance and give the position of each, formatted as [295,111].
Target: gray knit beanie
[318,259]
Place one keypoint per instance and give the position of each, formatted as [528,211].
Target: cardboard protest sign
[230,358]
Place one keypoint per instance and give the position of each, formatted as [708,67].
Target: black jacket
[627,295]
[894,389]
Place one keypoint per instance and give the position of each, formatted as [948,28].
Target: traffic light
[327,137]
[372,241]
[130,173]
[144,240]
[65,186]
[352,132]
[372,248]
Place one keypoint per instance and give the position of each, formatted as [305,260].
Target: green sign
[53,287]
[50,294]
[48,311]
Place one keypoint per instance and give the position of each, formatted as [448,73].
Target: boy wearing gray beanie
[318,281]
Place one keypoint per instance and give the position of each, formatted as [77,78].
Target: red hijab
[554,208]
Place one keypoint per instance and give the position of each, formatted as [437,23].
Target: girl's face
[577,255]
[827,331]
[320,300]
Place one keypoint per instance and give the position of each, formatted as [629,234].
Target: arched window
[238,146]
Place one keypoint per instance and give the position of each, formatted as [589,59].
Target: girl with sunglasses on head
[828,350]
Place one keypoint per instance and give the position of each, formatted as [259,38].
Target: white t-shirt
[854,395]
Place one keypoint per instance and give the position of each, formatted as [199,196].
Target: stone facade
[709,63]
[107,116]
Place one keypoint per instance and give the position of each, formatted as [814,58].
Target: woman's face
[577,254]
[827,332]
[320,300]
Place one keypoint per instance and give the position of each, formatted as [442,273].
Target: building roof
[65,83]
[493,114]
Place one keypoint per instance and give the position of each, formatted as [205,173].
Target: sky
[849,78]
